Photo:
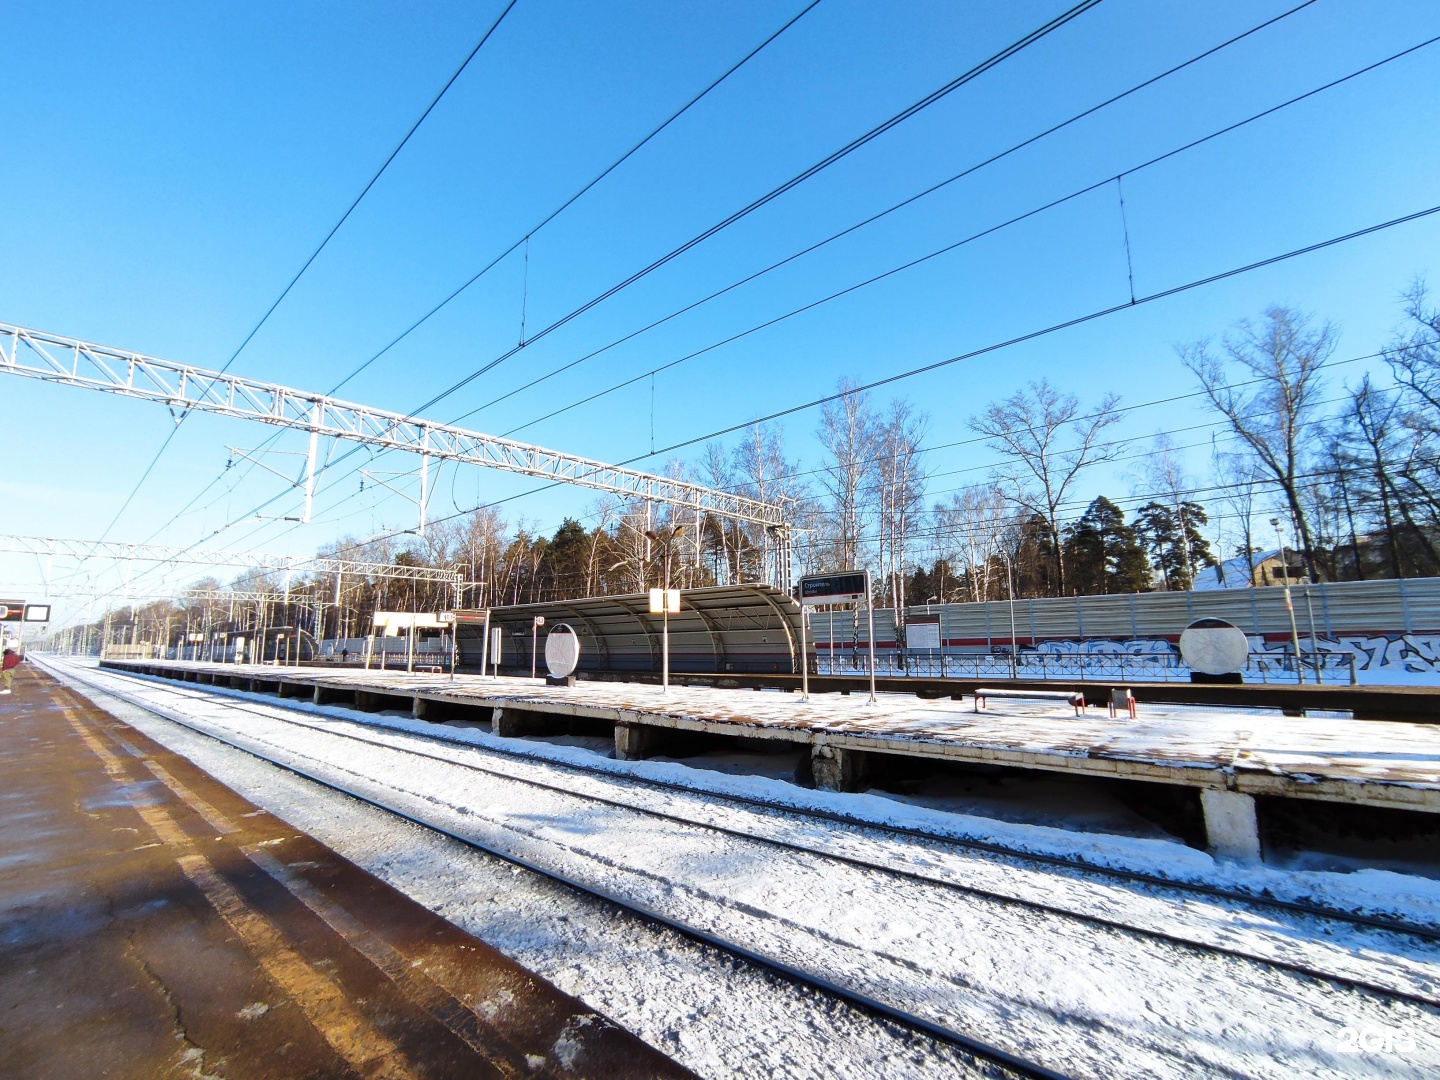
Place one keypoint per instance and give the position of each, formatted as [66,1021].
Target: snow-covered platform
[1229,755]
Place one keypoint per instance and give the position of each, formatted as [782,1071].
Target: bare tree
[1414,356]
[1379,443]
[762,472]
[1274,401]
[721,535]
[848,434]
[971,528]
[1240,487]
[899,490]
[1027,430]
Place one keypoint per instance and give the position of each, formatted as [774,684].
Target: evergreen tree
[1104,553]
[1034,558]
[565,562]
[1171,536]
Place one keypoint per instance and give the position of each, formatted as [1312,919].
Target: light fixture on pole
[1289,604]
[664,601]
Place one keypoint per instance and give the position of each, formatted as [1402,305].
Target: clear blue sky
[168,167]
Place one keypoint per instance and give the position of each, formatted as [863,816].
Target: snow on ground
[718,1015]
[1374,892]
[1039,983]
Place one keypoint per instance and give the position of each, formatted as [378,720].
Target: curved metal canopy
[730,628]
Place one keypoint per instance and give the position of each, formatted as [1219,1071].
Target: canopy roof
[741,628]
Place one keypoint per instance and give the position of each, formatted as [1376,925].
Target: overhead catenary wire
[1176,290]
[1000,524]
[564,205]
[862,140]
[948,248]
[568,202]
[1040,209]
[1011,519]
[664,450]
[795,181]
[870,220]
[1019,339]
[170,435]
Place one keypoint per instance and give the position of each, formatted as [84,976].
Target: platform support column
[634,742]
[517,723]
[417,707]
[1231,828]
[837,768]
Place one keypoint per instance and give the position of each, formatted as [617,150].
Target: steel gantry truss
[52,547]
[184,387]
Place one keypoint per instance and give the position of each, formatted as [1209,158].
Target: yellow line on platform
[323,1003]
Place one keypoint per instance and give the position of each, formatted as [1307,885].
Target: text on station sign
[834,588]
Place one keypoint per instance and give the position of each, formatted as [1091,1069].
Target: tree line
[1350,471]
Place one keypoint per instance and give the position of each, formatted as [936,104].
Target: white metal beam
[182,387]
[157,553]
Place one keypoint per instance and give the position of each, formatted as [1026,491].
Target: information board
[848,588]
[12,610]
[922,632]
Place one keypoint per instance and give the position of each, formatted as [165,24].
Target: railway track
[1420,991]
[1171,886]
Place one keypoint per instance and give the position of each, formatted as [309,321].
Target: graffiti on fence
[1413,653]
[1147,647]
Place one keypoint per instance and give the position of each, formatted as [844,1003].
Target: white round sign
[562,650]
[1214,647]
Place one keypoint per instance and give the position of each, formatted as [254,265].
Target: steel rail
[791,972]
[1112,924]
[1395,926]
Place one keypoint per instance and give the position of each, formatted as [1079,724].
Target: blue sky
[169,168]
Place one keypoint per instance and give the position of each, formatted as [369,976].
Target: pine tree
[1104,553]
[1171,536]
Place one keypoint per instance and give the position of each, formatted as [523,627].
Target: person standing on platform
[7,669]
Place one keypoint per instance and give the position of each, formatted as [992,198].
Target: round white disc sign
[1214,647]
[562,650]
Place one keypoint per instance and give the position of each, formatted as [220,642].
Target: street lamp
[1010,580]
[668,538]
[1289,604]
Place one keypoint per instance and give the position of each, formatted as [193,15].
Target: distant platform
[155,923]
[1230,755]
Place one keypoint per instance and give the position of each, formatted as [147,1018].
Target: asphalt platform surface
[155,924]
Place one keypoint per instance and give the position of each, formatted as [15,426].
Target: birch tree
[1265,381]
[848,432]
[1046,444]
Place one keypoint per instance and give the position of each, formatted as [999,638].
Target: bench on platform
[1070,697]
[1122,699]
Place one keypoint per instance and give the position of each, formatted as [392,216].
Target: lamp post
[1289,604]
[1010,581]
[668,538]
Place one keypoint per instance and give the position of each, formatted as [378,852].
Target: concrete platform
[153,923]
[1231,756]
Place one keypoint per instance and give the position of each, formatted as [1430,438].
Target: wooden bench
[1070,697]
